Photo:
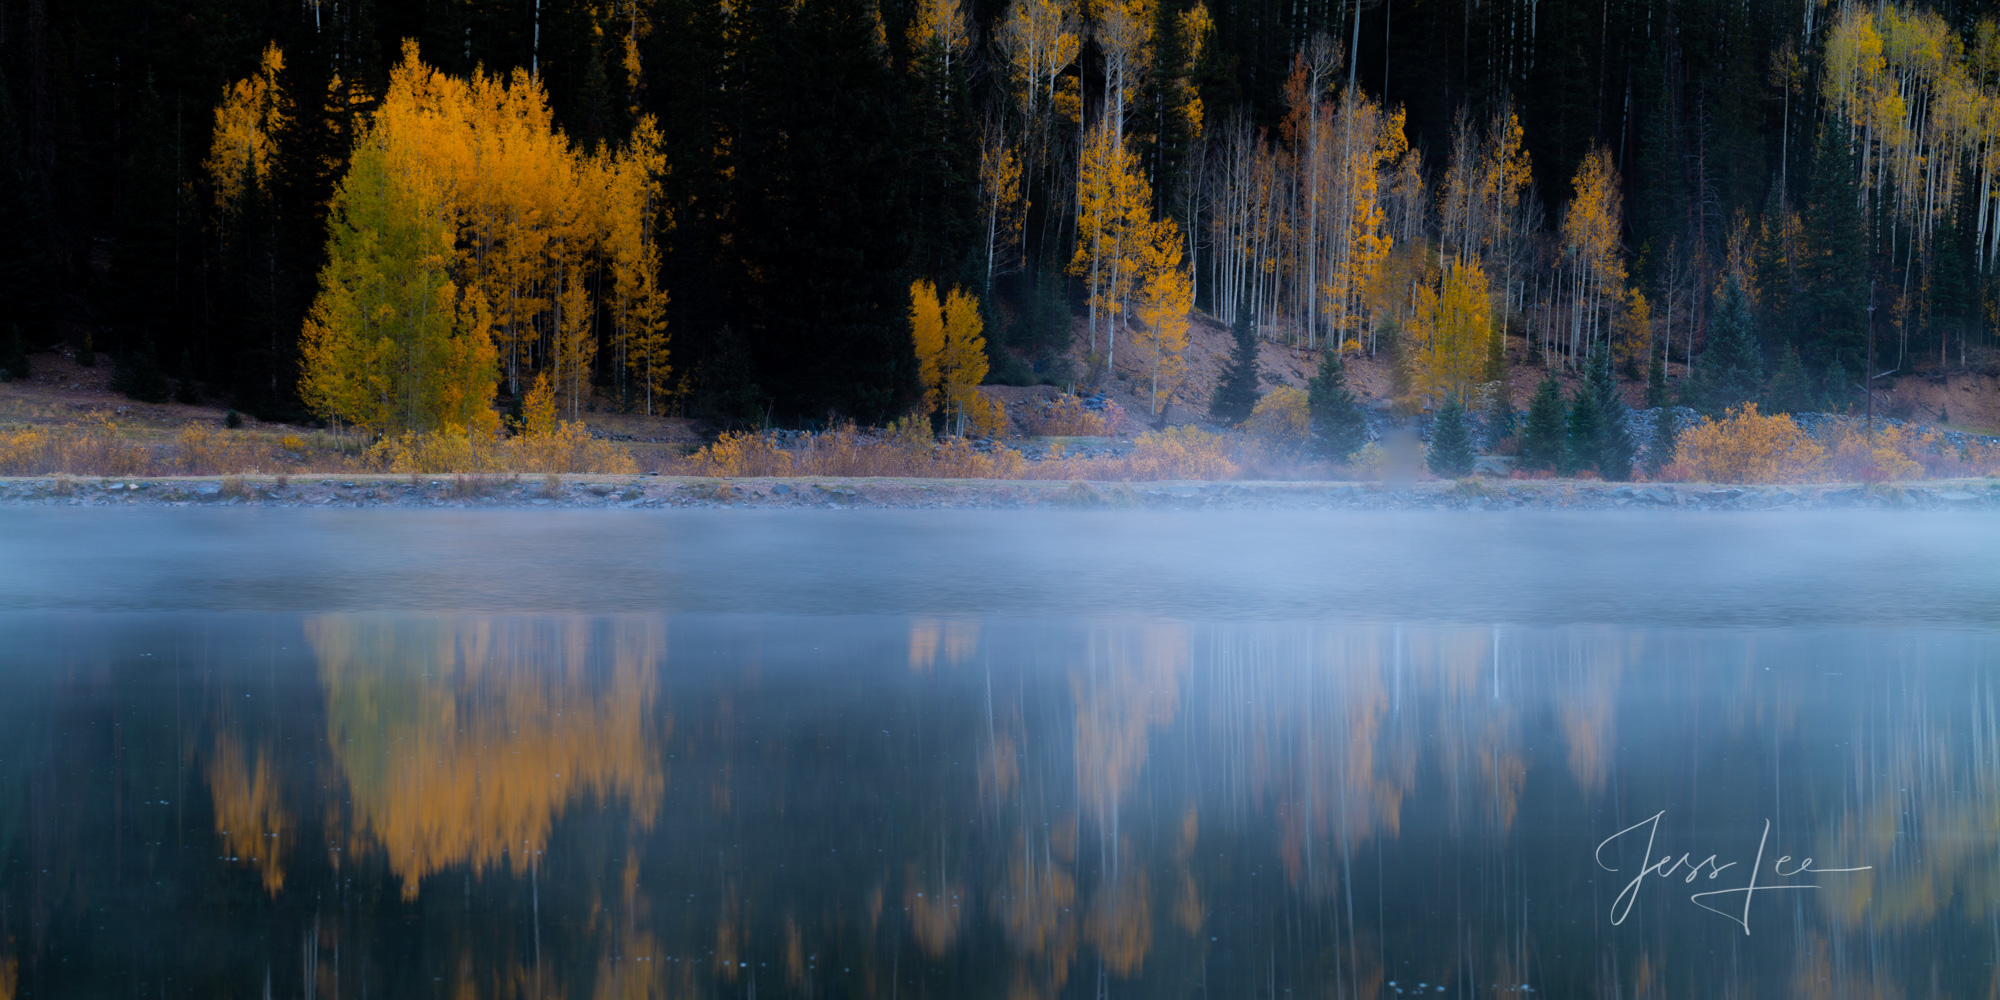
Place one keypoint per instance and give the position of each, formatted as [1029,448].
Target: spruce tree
[1542,446]
[1338,429]
[1499,415]
[1730,371]
[137,375]
[1450,453]
[1615,446]
[1791,388]
[14,361]
[1831,307]
[1657,393]
[1236,395]
[1583,436]
[1663,443]
[186,389]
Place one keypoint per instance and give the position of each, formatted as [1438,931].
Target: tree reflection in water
[542,807]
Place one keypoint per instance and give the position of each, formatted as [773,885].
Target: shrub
[1282,418]
[1895,452]
[1181,453]
[1749,446]
[742,453]
[1066,416]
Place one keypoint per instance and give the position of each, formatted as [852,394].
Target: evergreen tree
[1791,388]
[1450,453]
[1338,428]
[1837,387]
[1236,395]
[1657,393]
[1583,435]
[1832,302]
[14,360]
[1615,446]
[1661,446]
[1542,446]
[1730,371]
[137,375]
[1499,415]
[186,389]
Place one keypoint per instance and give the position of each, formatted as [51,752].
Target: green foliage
[1830,314]
[1730,371]
[137,375]
[1791,389]
[1661,445]
[1450,453]
[1542,446]
[86,356]
[186,388]
[1614,446]
[1499,414]
[232,420]
[1583,433]
[1338,428]
[1236,395]
[1657,393]
[14,357]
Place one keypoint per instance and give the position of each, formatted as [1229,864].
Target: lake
[541,754]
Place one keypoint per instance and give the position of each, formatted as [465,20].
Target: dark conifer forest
[1591,175]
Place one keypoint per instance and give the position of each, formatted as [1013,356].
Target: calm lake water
[997,754]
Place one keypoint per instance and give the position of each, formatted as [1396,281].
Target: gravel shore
[654,492]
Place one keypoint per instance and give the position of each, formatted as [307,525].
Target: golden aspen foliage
[1166,299]
[1448,330]
[1040,38]
[514,723]
[1114,221]
[942,26]
[252,111]
[1633,336]
[524,220]
[927,338]
[1282,417]
[1748,447]
[252,822]
[1000,200]
[1197,30]
[1593,258]
[962,365]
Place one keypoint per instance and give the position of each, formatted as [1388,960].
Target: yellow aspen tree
[1166,298]
[999,199]
[1593,259]
[927,337]
[940,24]
[962,361]
[1448,330]
[575,345]
[1114,213]
[252,111]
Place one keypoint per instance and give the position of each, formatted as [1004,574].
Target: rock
[1957,496]
[599,489]
[782,489]
[541,501]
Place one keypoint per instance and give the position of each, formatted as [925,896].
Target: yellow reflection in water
[254,826]
[463,738]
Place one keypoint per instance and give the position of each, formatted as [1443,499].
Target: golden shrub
[1185,452]
[1749,446]
[93,447]
[1282,417]
[742,453]
[1892,454]
[1065,416]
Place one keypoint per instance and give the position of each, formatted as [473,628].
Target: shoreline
[670,492]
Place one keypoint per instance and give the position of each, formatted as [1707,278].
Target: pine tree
[1832,303]
[1660,448]
[1499,415]
[1583,434]
[1338,428]
[1451,446]
[137,375]
[1615,446]
[1657,393]
[186,389]
[1542,446]
[1730,371]
[1791,388]
[14,360]
[1236,395]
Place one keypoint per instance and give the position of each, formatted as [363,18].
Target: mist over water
[997,754]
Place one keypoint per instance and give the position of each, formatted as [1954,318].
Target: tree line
[720,210]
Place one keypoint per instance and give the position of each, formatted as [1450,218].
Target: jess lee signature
[1687,870]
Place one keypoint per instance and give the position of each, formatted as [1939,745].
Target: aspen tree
[1448,332]
[1000,199]
[1114,215]
[962,361]
[252,112]
[927,338]
[1166,298]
